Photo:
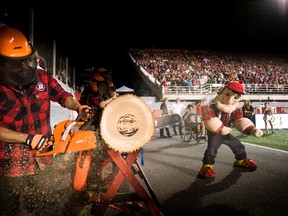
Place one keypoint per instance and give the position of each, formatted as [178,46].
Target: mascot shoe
[246,164]
[206,172]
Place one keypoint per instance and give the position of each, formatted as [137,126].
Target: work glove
[85,112]
[39,142]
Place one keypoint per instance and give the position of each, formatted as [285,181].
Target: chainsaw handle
[79,117]
[88,124]
[94,110]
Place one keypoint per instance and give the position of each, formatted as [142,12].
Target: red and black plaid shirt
[211,111]
[27,112]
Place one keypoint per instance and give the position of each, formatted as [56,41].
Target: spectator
[189,116]
[199,120]
[268,117]
[165,111]
[248,111]
[177,108]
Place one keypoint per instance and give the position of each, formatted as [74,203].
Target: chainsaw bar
[167,120]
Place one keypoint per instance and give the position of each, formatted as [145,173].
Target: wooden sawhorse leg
[125,171]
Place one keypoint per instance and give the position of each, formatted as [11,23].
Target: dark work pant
[215,141]
[162,131]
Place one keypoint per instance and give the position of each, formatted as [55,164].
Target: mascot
[219,116]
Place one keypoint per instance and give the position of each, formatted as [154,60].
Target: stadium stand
[193,75]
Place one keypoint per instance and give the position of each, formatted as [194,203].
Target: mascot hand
[225,130]
[256,132]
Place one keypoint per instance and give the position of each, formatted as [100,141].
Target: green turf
[278,140]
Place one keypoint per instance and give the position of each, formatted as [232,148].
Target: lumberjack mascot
[219,116]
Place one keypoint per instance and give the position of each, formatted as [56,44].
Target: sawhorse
[125,171]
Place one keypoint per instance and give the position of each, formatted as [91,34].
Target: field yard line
[265,147]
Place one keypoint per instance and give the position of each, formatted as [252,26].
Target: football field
[278,140]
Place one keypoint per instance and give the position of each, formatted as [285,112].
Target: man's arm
[36,142]
[7,135]
[105,102]
[72,104]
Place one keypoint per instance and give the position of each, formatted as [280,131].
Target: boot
[246,164]
[206,172]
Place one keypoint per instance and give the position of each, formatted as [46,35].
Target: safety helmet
[102,70]
[97,78]
[18,64]
[106,74]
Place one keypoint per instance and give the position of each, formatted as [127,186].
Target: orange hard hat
[17,58]
[97,78]
[13,43]
[102,70]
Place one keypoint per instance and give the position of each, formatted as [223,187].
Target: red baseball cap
[236,87]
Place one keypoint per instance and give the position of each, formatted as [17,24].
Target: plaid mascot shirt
[227,119]
[27,112]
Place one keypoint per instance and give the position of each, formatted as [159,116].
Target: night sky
[98,33]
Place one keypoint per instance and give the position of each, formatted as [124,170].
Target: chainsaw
[72,136]
[78,135]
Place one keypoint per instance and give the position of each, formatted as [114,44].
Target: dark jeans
[215,141]
[162,131]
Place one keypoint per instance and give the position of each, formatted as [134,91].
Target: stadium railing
[209,88]
[253,91]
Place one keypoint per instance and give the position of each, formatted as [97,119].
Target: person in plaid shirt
[219,117]
[25,95]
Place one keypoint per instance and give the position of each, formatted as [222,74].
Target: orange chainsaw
[72,136]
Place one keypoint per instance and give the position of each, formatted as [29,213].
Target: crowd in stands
[198,67]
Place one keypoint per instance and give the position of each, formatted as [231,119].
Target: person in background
[98,94]
[199,120]
[189,116]
[177,108]
[248,110]
[26,92]
[268,117]
[165,111]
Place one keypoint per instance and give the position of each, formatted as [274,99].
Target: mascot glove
[39,142]
[85,111]
[256,132]
[225,130]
